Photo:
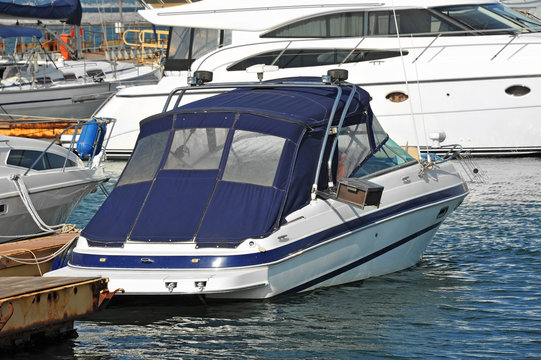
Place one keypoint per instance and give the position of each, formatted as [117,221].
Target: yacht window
[44,80]
[489,17]
[188,44]
[420,22]
[353,148]
[518,90]
[25,158]
[397,97]
[351,24]
[388,156]
[70,77]
[145,159]
[196,149]
[333,25]
[514,16]
[253,158]
[294,58]
[96,73]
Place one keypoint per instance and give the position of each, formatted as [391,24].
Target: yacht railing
[74,129]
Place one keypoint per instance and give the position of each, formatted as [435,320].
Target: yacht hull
[506,125]
[54,206]
[62,102]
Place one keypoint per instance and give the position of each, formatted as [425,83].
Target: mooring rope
[25,197]
[37,261]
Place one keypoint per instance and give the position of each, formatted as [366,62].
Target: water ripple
[475,294]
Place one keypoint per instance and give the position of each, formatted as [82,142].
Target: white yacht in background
[270,189]
[469,68]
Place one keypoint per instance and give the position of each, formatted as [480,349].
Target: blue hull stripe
[357,263]
[260,258]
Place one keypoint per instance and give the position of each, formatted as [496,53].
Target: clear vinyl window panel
[196,149]
[353,148]
[389,155]
[253,158]
[145,159]
[179,44]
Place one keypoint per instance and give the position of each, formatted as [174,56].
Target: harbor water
[476,294]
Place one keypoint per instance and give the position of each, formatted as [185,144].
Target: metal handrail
[181,91]
[57,138]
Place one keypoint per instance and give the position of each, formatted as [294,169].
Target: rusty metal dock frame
[35,309]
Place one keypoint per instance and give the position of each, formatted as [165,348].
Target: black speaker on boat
[337,75]
[202,77]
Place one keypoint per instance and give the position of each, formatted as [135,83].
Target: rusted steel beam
[34,307]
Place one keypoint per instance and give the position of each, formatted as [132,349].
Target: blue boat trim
[260,258]
[359,262]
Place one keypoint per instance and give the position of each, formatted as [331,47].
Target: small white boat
[41,183]
[270,189]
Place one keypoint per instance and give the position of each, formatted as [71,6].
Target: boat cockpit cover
[65,10]
[16,31]
[218,171]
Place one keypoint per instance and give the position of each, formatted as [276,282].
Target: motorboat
[269,189]
[460,66]
[41,182]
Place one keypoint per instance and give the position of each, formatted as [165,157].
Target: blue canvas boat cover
[69,11]
[16,31]
[223,169]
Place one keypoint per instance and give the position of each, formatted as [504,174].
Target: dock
[37,310]
[34,309]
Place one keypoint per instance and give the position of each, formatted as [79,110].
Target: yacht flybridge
[269,189]
[465,67]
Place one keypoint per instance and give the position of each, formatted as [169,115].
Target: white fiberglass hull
[390,238]
[53,206]
[56,103]
[482,91]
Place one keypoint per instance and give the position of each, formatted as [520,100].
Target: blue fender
[91,136]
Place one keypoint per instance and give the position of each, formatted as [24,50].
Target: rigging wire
[408,88]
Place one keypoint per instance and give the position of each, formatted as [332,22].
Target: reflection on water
[475,294]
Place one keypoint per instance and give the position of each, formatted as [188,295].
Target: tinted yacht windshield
[492,18]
